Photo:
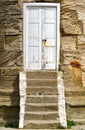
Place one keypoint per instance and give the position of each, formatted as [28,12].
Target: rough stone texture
[81,42]
[72,61]
[10,60]
[72,49]
[68,43]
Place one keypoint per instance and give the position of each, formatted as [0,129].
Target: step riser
[40,91]
[41,108]
[42,75]
[41,117]
[41,100]
[42,83]
[42,126]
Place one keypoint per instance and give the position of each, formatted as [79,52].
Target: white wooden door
[41,39]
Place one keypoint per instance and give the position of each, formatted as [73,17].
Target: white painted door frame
[25,31]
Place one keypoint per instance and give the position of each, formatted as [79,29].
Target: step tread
[42,104]
[42,112]
[41,87]
[41,121]
[42,96]
[42,79]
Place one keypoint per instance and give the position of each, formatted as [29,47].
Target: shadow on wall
[9,111]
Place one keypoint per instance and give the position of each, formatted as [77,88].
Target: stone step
[42,124]
[41,106]
[41,98]
[41,115]
[41,74]
[41,90]
[74,91]
[76,101]
[42,82]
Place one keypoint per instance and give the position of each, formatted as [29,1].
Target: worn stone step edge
[41,96]
[43,90]
[42,79]
[41,106]
[41,121]
[41,112]
[41,74]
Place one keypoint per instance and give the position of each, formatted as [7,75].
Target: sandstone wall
[73,42]
[72,58]
[72,61]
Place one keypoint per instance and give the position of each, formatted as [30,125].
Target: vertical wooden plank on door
[33,39]
[49,33]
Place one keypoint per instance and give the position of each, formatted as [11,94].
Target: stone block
[12,42]
[68,56]
[8,2]
[82,57]
[84,27]
[80,2]
[81,12]
[71,27]
[11,25]
[13,9]
[70,2]
[2,42]
[10,58]
[81,42]
[68,43]
[68,14]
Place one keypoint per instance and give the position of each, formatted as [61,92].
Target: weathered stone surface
[2,42]
[82,57]
[10,58]
[8,2]
[12,43]
[70,2]
[81,42]
[80,2]
[84,27]
[11,25]
[71,27]
[68,14]
[68,43]
[69,56]
[81,12]
[13,9]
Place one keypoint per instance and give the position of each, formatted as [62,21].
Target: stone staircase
[41,106]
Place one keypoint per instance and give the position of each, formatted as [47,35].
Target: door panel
[33,39]
[49,33]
